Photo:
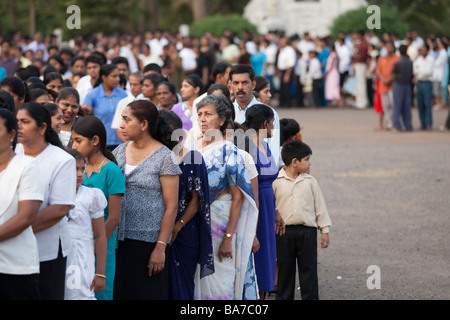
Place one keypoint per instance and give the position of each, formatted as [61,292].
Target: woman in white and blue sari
[233,209]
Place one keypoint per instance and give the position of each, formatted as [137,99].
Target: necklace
[100,166]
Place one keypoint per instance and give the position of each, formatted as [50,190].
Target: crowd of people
[126,184]
[156,166]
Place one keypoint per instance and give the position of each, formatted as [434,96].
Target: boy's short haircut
[294,149]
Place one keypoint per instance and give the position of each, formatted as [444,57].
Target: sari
[193,243]
[234,278]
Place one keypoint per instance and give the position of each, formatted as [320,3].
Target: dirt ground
[388,198]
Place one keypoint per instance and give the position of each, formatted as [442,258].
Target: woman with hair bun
[149,205]
[57,172]
[102,172]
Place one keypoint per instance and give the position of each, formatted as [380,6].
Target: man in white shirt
[306,45]
[242,83]
[86,83]
[423,75]
[135,81]
[314,75]
[285,66]
[188,57]
[270,50]
[345,60]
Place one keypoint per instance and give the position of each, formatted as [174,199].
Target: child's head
[296,154]
[89,137]
[80,163]
[289,130]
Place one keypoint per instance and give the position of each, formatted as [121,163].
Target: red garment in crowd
[377,107]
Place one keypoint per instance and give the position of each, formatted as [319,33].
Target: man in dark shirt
[6,60]
[402,74]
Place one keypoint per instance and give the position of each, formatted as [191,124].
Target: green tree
[354,20]
[217,24]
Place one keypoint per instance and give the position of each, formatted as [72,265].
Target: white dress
[90,203]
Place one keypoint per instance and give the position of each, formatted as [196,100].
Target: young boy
[300,202]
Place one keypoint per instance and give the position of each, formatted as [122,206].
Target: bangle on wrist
[161,242]
[182,222]
[100,275]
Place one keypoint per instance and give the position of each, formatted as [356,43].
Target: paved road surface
[388,195]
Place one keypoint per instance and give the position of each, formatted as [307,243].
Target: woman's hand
[157,260]
[225,249]
[98,283]
[256,245]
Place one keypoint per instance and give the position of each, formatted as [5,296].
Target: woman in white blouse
[57,171]
[21,196]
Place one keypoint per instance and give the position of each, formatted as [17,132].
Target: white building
[298,16]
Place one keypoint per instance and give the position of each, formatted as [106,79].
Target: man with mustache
[241,83]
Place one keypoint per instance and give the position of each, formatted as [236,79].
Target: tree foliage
[390,21]
[217,24]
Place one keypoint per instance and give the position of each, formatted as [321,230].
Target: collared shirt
[274,141]
[423,68]
[314,69]
[104,108]
[384,68]
[286,58]
[300,201]
[10,65]
[403,70]
[84,86]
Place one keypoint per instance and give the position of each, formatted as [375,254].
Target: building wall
[296,17]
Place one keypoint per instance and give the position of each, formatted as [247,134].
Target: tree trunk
[32,17]
[154,14]
[199,9]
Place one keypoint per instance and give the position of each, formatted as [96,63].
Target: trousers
[402,106]
[297,248]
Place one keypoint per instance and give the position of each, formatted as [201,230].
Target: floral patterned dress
[233,279]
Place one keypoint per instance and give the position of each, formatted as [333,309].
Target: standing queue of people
[178,205]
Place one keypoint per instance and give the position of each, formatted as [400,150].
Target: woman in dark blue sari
[191,244]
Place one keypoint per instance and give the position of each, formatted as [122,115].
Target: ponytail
[158,127]
[41,115]
[90,126]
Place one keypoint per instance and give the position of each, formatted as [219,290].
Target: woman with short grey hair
[233,209]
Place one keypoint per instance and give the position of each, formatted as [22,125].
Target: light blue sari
[233,279]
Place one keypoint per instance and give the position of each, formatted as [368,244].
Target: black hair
[7,101]
[105,70]
[288,128]
[242,68]
[17,86]
[77,58]
[195,81]
[220,68]
[257,115]
[51,107]
[157,126]
[172,119]
[90,126]
[76,154]
[36,93]
[10,123]
[67,92]
[117,60]
[41,116]
[152,67]
[122,80]
[155,78]
[169,85]
[294,149]
[219,86]
[261,83]
[95,58]
[58,59]
[49,77]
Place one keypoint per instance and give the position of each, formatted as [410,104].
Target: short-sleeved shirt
[110,180]
[19,182]
[143,206]
[104,107]
[57,172]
